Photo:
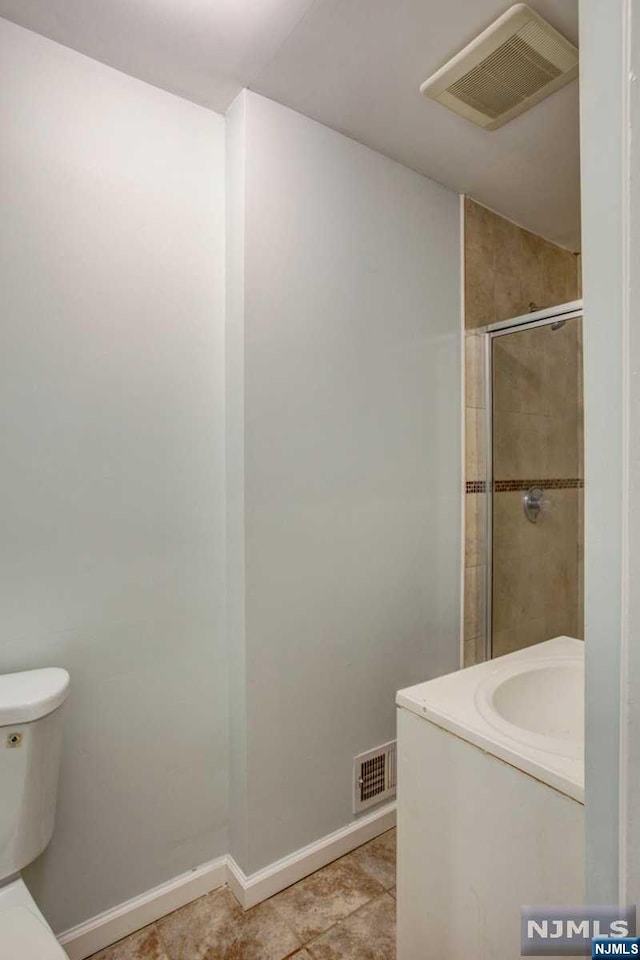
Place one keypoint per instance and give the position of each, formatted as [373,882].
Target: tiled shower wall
[537,441]
[508,272]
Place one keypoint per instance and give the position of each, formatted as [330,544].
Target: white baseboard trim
[107,928]
[259,886]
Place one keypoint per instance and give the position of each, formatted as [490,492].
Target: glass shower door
[536,489]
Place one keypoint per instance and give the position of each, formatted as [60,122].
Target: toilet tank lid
[31,694]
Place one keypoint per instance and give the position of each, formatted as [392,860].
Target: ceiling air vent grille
[374,776]
[515,63]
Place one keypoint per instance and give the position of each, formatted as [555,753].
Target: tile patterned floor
[346,911]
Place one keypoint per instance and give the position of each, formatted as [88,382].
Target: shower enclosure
[535,482]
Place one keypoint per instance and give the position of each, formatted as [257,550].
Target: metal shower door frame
[541,318]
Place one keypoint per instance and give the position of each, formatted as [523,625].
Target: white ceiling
[356,66]
[203,50]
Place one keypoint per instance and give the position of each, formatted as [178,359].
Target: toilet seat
[24,932]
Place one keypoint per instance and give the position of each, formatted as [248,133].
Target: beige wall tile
[508,524]
[519,589]
[560,578]
[512,532]
[533,447]
[580,622]
[580,361]
[562,359]
[507,594]
[475,444]
[560,275]
[537,587]
[579,275]
[563,621]
[473,651]
[475,528]
[474,371]
[507,263]
[510,271]
[533,631]
[478,293]
[532,270]
[479,274]
[536,566]
[469,653]
[504,641]
[522,635]
[537,372]
[559,524]
[474,602]
[519,372]
[562,457]
[474,552]
[520,445]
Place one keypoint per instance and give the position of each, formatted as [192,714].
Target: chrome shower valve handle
[534,503]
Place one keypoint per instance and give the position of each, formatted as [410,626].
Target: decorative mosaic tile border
[509,486]
[504,486]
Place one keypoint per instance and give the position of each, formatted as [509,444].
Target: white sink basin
[541,703]
[526,708]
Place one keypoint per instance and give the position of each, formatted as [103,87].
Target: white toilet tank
[30,746]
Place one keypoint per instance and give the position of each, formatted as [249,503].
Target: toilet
[30,746]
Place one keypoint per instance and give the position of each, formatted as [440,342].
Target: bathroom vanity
[490,801]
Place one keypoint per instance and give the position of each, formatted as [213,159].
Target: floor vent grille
[374,776]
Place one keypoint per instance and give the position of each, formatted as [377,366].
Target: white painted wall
[610,63]
[630,813]
[604,88]
[351,393]
[112,481]
[339,437]
[236,149]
